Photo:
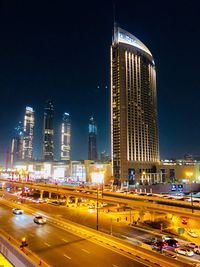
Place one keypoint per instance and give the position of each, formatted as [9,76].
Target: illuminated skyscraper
[134,128]
[17,144]
[48,134]
[92,140]
[19,136]
[29,121]
[65,137]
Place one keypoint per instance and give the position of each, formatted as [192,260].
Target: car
[184,251]
[160,244]
[165,237]
[192,233]
[172,243]
[191,245]
[197,249]
[91,206]
[39,219]
[17,211]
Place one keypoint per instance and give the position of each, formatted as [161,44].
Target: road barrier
[10,248]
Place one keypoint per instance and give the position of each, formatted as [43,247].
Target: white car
[91,207]
[39,219]
[184,251]
[192,233]
[18,211]
[197,249]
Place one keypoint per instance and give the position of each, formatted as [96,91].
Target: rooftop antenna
[114,14]
[114,22]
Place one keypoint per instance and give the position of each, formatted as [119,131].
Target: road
[84,216]
[58,247]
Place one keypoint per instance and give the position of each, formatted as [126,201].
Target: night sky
[61,50]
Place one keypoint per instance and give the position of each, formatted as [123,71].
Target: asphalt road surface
[58,247]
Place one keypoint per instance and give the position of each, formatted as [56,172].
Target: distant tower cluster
[22,143]
[65,137]
[48,132]
[92,140]
[27,147]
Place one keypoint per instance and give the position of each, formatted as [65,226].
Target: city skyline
[35,57]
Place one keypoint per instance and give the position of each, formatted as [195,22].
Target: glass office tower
[48,132]
[29,121]
[92,140]
[65,137]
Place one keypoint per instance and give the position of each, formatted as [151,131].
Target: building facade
[48,132]
[65,137]
[92,140]
[134,127]
[29,121]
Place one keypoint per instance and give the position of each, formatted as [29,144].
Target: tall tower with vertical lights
[65,137]
[134,127]
[18,140]
[29,122]
[48,132]
[92,140]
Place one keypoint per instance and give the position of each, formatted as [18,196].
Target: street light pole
[189,175]
[97,222]
[111,232]
[191,197]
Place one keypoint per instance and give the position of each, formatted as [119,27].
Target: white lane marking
[86,251]
[67,256]
[47,244]
[114,265]
[66,241]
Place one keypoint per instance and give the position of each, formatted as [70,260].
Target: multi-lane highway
[82,216]
[58,247]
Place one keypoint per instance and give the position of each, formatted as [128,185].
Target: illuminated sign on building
[98,177]
[127,38]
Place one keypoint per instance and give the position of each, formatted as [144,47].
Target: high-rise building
[48,133]
[65,137]
[134,127]
[92,140]
[104,156]
[29,121]
[17,143]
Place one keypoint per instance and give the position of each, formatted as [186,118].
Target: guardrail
[149,258]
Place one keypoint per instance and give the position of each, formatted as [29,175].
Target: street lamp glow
[189,174]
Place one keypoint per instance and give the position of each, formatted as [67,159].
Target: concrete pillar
[50,194]
[41,194]
[76,201]
[152,216]
[67,201]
